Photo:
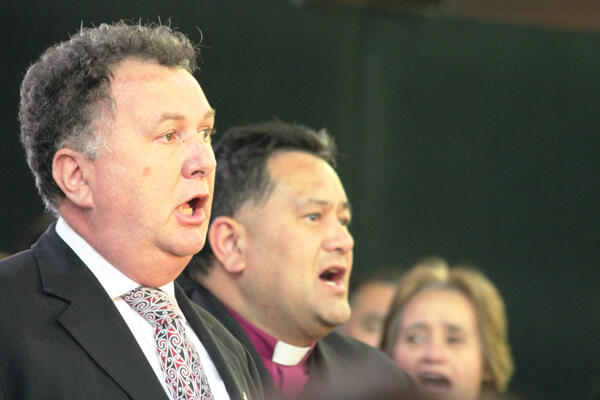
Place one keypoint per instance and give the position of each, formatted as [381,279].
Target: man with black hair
[277,268]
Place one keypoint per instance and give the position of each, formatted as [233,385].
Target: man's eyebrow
[210,113]
[169,116]
[325,203]
[177,116]
[320,202]
[347,206]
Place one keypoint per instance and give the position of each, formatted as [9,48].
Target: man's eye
[345,221]
[168,137]
[206,133]
[313,216]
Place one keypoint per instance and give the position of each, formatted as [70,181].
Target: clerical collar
[268,347]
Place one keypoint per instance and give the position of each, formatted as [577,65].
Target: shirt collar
[269,347]
[114,282]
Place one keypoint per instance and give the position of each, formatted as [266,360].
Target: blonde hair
[486,300]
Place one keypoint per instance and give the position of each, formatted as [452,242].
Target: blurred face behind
[369,308]
[298,250]
[438,344]
[152,184]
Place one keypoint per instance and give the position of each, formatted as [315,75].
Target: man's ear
[227,239]
[69,173]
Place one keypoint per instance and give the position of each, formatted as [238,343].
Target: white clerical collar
[287,354]
[114,282]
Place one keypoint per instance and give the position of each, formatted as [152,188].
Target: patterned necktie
[179,360]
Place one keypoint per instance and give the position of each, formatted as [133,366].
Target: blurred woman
[447,328]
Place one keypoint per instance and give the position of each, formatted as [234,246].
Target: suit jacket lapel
[210,303]
[93,320]
[225,361]
[206,300]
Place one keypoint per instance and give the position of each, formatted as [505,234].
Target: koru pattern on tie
[179,360]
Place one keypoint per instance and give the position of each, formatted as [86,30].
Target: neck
[150,267]
[226,289]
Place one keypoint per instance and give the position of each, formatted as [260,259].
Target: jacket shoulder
[347,347]
[19,278]
[362,371]
[13,267]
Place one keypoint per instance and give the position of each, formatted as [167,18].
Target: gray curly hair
[65,95]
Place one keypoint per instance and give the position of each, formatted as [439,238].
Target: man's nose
[200,159]
[340,239]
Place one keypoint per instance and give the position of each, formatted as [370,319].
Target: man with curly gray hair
[117,133]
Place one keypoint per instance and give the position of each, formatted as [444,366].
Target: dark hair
[242,174]
[65,95]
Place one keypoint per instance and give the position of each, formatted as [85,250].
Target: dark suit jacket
[61,336]
[340,368]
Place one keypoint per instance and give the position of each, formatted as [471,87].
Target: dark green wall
[474,141]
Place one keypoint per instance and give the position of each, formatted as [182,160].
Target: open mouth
[190,207]
[191,213]
[434,382]
[333,276]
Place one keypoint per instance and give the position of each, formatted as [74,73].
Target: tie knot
[153,304]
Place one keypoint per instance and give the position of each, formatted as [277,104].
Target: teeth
[329,274]
[186,209]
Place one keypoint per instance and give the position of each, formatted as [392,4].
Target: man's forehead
[155,93]
[134,73]
[341,204]
[299,167]
[287,156]
[307,179]
[133,69]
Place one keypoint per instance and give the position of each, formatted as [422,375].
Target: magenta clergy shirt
[287,364]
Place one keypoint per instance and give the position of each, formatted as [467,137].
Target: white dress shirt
[116,284]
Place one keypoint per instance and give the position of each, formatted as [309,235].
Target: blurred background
[467,129]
